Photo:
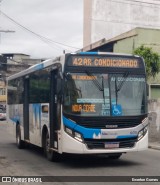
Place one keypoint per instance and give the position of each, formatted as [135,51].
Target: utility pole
[5,31]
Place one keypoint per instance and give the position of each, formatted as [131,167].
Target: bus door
[26,109]
[53,110]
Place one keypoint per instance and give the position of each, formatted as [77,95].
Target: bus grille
[110,124]
[100,144]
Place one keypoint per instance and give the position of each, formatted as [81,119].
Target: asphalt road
[24,162]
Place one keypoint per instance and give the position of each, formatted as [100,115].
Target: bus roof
[106,53]
[50,62]
[35,67]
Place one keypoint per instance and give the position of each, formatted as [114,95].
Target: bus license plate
[111,145]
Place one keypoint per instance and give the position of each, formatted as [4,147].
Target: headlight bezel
[74,134]
[142,132]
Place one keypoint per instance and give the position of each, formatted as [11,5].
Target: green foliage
[152,60]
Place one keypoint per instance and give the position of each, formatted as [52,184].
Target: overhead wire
[44,39]
[26,29]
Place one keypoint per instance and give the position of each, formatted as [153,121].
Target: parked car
[2,114]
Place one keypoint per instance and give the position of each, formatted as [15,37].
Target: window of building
[155,91]
[2,91]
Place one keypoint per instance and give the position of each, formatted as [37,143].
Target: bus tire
[19,142]
[115,156]
[50,154]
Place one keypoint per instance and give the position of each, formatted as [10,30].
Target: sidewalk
[154,145]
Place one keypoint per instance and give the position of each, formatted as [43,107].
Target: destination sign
[83,77]
[101,61]
[83,108]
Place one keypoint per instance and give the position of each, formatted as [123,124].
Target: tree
[152,60]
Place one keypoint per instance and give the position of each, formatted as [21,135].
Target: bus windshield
[89,94]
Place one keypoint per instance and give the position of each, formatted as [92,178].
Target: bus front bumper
[73,146]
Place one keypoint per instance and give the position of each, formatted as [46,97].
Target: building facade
[109,18]
[11,63]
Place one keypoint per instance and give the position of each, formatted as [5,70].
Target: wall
[154,120]
[20,57]
[86,21]
[110,18]
[146,37]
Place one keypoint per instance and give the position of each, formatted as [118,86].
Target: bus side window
[45,109]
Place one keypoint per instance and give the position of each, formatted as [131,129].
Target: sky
[40,23]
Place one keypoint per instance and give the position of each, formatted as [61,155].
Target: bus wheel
[19,142]
[114,156]
[50,154]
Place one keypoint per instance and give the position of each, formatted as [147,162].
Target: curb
[156,147]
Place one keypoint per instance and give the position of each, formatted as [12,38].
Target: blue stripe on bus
[90,133]
[88,53]
[87,133]
[126,136]
[39,66]
[68,123]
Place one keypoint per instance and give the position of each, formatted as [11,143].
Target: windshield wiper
[98,85]
[120,85]
[73,86]
[95,81]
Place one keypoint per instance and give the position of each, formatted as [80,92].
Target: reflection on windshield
[130,98]
[89,94]
[86,94]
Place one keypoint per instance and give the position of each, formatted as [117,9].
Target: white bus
[81,103]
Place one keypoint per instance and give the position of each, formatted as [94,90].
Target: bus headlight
[69,131]
[78,136]
[142,133]
[74,134]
